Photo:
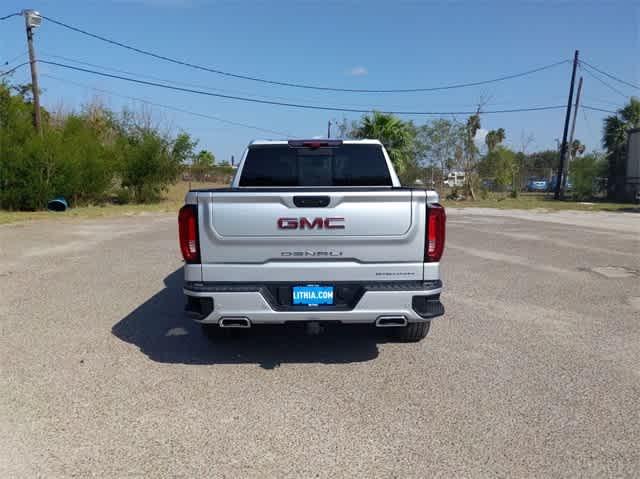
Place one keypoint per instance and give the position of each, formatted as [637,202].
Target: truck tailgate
[369,235]
[385,213]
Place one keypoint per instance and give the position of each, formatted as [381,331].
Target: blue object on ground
[537,185]
[57,204]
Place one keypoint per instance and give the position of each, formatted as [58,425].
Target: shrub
[150,162]
[83,156]
[584,171]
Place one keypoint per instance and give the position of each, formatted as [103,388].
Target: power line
[7,62]
[10,15]
[151,77]
[298,85]
[204,87]
[180,83]
[588,71]
[613,77]
[169,107]
[585,107]
[8,72]
[291,105]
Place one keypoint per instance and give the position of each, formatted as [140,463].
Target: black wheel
[413,332]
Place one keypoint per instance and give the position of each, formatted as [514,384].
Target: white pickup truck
[313,231]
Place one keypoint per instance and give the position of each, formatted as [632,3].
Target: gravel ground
[534,371]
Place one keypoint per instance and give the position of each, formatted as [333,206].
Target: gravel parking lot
[534,370]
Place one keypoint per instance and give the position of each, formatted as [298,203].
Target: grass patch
[539,201]
[173,200]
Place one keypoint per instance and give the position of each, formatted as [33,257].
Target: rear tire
[413,332]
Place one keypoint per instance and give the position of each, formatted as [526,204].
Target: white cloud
[358,71]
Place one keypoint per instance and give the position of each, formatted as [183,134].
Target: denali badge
[306,223]
[311,253]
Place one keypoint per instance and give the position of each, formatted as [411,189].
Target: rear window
[344,165]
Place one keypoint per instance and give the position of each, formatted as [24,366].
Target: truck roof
[285,142]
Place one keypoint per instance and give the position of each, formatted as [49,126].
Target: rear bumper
[416,301]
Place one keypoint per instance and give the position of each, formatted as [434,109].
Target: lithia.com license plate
[312,295]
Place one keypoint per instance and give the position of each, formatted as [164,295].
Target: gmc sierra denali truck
[313,231]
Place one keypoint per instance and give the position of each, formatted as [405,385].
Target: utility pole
[563,148]
[573,130]
[329,129]
[32,20]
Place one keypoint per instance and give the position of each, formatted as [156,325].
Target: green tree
[470,154]
[24,90]
[499,164]
[539,164]
[541,160]
[616,127]
[584,172]
[614,139]
[397,136]
[183,148]
[83,156]
[24,170]
[615,133]
[151,162]
[202,164]
[84,165]
[494,138]
[577,148]
[205,158]
[438,141]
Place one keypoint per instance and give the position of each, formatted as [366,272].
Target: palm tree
[577,148]
[614,139]
[616,127]
[473,125]
[471,129]
[494,138]
[615,133]
[491,141]
[397,136]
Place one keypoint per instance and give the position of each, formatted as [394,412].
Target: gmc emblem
[306,223]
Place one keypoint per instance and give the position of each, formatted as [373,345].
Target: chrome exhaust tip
[232,322]
[391,321]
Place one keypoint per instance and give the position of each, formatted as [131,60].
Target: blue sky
[347,44]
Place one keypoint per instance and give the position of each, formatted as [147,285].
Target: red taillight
[434,241]
[188,230]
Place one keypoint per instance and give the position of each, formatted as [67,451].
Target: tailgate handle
[311,201]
